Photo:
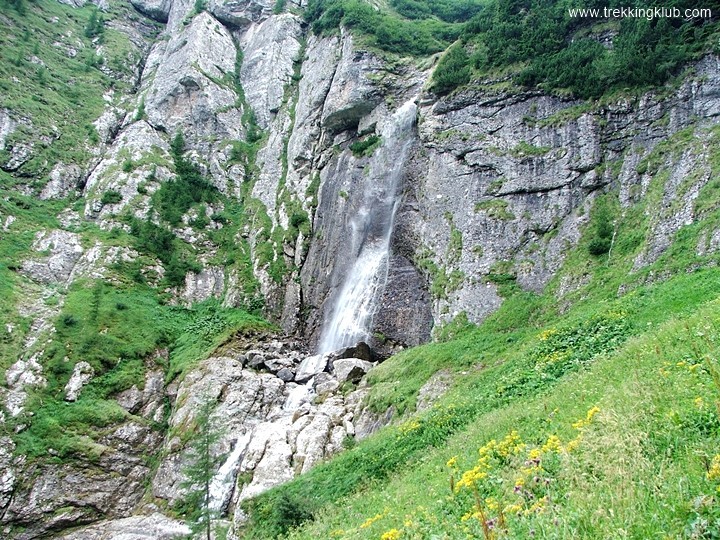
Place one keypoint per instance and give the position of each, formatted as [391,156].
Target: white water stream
[355,304]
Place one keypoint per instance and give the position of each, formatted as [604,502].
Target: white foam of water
[223,482]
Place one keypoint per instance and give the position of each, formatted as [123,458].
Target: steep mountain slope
[173,171]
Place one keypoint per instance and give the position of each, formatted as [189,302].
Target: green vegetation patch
[366,146]
[50,77]
[383,29]
[495,208]
[600,453]
[544,47]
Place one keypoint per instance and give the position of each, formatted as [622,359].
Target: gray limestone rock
[351,369]
[270,49]
[19,378]
[150,527]
[185,93]
[7,126]
[361,351]
[435,387]
[239,14]
[63,180]
[311,366]
[60,250]
[7,472]
[208,283]
[158,10]
[352,94]
[81,375]
[286,375]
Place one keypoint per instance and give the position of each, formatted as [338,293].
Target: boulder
[310,367]
[81,375]
[361,351]
[158,10]
[351,369]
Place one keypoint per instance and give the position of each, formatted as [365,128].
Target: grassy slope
[536,366]
[51,75]
[104,323]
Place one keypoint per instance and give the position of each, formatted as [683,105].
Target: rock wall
[497,183]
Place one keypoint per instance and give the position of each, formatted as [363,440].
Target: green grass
[63,95]
[107,326]
[638,470]
[209,325]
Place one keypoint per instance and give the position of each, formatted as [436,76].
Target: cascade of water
[223,482]
[353,307]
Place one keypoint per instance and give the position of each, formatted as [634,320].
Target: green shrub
[366,146]
[385,30]
[279,6]
[190,187]
[111,197]
[603,228]
[452,71]
[95,25]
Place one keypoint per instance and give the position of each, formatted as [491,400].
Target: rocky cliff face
[496,186]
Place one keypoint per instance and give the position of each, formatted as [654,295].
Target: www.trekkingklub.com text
[641,13]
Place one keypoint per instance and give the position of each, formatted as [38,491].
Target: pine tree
[200,472]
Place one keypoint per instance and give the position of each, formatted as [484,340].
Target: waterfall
[371,228]
[223,483]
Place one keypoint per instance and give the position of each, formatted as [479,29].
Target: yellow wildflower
[392,534]
[534,454]
[471,515]
[452,462]
[488,448]
[371,520]
[573,444]
[546,334]
[511,445]
[409,426]
[681,364]
[582,422]
[693,367]
[469,478]
[537,507]
[552,444]
[492,504]
[714,471]
[699,403]
[512,509]
[592,412]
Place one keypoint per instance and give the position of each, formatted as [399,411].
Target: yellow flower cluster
[588,418]
[714,471]
[409,426]
[474,475]
[552,444]
[472,514]
[371,520]
[392,534]
[547,334]
[556,357]
[512,509]
[537,507]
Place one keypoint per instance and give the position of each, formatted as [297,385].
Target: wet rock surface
[272,427]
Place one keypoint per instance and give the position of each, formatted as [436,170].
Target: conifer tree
[199,473]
